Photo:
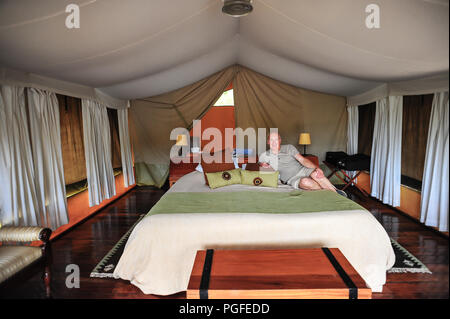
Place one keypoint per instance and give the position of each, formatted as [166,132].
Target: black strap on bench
[204,283]
[352,289]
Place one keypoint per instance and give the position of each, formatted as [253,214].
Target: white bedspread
[160,252]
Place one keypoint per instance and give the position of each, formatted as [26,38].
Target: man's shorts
[295,180]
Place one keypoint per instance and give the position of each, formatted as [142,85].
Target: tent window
[226,99]
[366,116]
[416,118]
[72,143]
[115,141]
[220,116]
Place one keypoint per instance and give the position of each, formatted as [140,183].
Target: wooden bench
[319,273]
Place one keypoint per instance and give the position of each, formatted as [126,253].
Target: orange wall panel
[220,117]
[364,182]
[409,199]
[410,202]
[78,207]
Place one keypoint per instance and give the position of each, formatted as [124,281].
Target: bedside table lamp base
[304,139]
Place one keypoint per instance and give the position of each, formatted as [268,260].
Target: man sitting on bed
[295,170]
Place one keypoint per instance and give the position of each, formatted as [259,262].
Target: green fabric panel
[333,179]
[252,202]
[76,188]
[81,186]
[268,179]
[216,180]
[151,174]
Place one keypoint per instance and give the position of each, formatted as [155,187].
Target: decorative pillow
[220,179]
[217,167]
[257,178]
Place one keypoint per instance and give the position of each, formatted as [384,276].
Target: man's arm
[307,163]
[304,161]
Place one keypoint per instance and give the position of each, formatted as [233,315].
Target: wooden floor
[86,244]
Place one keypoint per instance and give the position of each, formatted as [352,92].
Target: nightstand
[176,171]
[312,158]
[247,159]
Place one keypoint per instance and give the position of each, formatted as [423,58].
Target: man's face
[274,142]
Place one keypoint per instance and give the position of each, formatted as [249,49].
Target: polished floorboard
[87,243]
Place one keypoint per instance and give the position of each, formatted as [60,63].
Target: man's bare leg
[320,179]
[308,184]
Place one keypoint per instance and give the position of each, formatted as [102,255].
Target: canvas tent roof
[138,48]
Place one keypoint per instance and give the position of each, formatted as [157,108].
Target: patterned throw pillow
[218,167]
[260,178]
[224,178]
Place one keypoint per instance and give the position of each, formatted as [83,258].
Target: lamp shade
[181,140]
[304,139]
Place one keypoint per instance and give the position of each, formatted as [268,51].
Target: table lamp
[304,139]
[181,141]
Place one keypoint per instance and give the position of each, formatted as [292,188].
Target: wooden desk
[178,170]
[318,273]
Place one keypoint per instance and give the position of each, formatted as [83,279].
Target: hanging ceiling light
[237,8]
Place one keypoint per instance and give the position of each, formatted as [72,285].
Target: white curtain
[435,182]
[125,148]
[426,85]
[47,157]
[352,133]
[31,173]
[385,162]
[97,150]
[19,205]
[18,78]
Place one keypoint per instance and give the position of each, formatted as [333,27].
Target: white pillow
[235,161]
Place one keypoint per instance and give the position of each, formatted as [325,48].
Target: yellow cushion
[260,178]
[224,178]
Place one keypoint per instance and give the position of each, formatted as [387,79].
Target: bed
[160,252]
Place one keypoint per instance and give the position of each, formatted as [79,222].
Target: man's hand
[318,173]
[265,165]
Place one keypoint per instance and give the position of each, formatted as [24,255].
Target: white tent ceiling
[138,48]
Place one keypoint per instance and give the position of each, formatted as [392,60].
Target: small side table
[176,171]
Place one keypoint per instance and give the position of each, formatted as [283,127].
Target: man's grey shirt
[284,162]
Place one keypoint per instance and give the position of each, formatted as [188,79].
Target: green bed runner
[252,202]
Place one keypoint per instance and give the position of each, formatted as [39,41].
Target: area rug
[105,268]
[405,262]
